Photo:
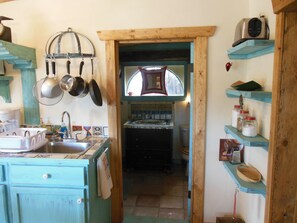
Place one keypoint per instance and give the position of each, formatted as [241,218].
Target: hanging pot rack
[55,41]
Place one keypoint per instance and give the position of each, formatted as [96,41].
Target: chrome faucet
[69,134]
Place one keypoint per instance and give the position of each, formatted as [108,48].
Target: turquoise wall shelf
[264,96]
[24,59]
[250,49]
[257,141]
[4,88]
[247,187]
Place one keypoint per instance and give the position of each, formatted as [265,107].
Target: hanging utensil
[44,100]
[67,82]
[46,72]
[81,88]
[50,87]
[94,89]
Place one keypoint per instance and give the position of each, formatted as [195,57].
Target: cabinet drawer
[48,175]
[2,173]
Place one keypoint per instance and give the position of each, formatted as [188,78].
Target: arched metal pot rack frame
[62,55]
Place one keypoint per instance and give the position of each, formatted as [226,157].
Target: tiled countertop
[150,124]
[97,142]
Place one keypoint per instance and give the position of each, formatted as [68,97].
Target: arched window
[174,85]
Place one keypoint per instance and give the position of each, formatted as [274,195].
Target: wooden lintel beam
[158,33]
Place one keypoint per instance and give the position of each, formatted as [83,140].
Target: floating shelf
[250,49]
[257,141]
[264,96]
[247,187]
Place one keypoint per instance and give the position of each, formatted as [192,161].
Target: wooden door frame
[281,205]
[198,35]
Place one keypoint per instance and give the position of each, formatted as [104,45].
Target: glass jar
[235,113]
[250,127]
[242,115]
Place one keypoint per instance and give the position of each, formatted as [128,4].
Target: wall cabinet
[148,148]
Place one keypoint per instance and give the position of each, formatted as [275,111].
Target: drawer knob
[79,200]
[46,176]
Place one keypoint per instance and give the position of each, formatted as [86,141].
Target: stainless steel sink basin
[65,147]
[150,122]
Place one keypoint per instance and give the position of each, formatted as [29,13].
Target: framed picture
[153,81]
[231,150]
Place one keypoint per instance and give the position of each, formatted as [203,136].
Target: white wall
[35,21]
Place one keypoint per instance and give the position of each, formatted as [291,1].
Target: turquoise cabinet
[53,190]
[3,205]
[45,193]
[3,196]
[48,205]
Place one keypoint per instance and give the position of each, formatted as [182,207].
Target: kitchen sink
[65,147]
[150,122]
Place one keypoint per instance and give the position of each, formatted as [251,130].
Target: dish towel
[104,181]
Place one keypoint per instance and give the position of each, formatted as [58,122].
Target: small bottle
[242,115]
[63,131]
[42,125]
[235,113]
[250,127]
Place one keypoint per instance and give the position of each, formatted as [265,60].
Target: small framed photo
[230,147]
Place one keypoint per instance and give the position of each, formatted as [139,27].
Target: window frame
[154,98]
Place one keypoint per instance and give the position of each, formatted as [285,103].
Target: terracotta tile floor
[156,194]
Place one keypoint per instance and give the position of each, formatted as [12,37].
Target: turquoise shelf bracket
[24,59]
[31,106]
[19,56]
[4,88]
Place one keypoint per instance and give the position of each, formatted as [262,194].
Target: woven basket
[248,173]
[229,220]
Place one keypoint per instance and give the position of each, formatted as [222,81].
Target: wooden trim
[282,166]
[185,33]
[200,37]
[2,1]
[274,114]
[114,122]
[199,122]
[284,6]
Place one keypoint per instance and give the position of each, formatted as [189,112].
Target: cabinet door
[3,205]
[48,205]
[155,139]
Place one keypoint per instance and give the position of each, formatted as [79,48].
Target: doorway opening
[198,35]
[155,179]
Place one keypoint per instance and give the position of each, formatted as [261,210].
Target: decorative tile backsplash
[86,130]
[151,110]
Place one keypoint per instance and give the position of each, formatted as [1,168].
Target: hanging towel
[104,181]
